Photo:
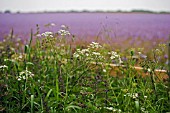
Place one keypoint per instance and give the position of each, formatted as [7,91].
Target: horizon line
[89,11]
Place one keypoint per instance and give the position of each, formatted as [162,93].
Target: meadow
[54,71]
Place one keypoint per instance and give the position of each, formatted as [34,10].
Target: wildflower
[87,54]
[63,32]
[166,56]
[112,109]
[38,35]
[96,53]
[19,78]
[46,34]
[167,62]
[95,45]
[85,50]
[114,56]
[135,95]
[63,26]
[76,55]
[145,97]
[149,70]
[3,67]
[24,75]
[20,56]
[104,70]
[11,60]
[52,24]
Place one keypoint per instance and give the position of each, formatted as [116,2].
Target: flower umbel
[64,31]
[25,75]
[47,34]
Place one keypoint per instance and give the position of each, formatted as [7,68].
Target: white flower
[95,45]
[85,50]
[20,56]
[4,66]
[135,95]
[63,26]
[113,55]
[19,78]
[52,24]
[149,70]
[46,34]
[38,35]
[76,55]
[24,75]
[87,54]
[112,109]
[51,36]
[104,70]
[63,32]
[145,97]
[96,53]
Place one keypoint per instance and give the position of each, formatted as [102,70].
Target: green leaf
[48,94]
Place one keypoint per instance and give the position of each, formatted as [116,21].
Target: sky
[79,5]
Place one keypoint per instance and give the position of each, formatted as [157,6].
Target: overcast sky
[92,5]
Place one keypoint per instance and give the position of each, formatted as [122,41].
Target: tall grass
[54,76]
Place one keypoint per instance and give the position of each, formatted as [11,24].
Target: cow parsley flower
[95,45]
[149,70]
[25,75]
[104,70]
[63,26]
[47,34]
[63,32]
[3,67]
[132,95]
[114,56]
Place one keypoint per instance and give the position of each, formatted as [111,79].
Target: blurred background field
[121,30]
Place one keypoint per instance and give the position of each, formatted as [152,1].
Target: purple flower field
[83,25]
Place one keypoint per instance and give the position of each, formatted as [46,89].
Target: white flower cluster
[3,67]
[97,55]
[79,53]
[88,54]
[133,95]
[114,55]
[47,34]
[64,31]
[24,75]
[94,45]
[113,109]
